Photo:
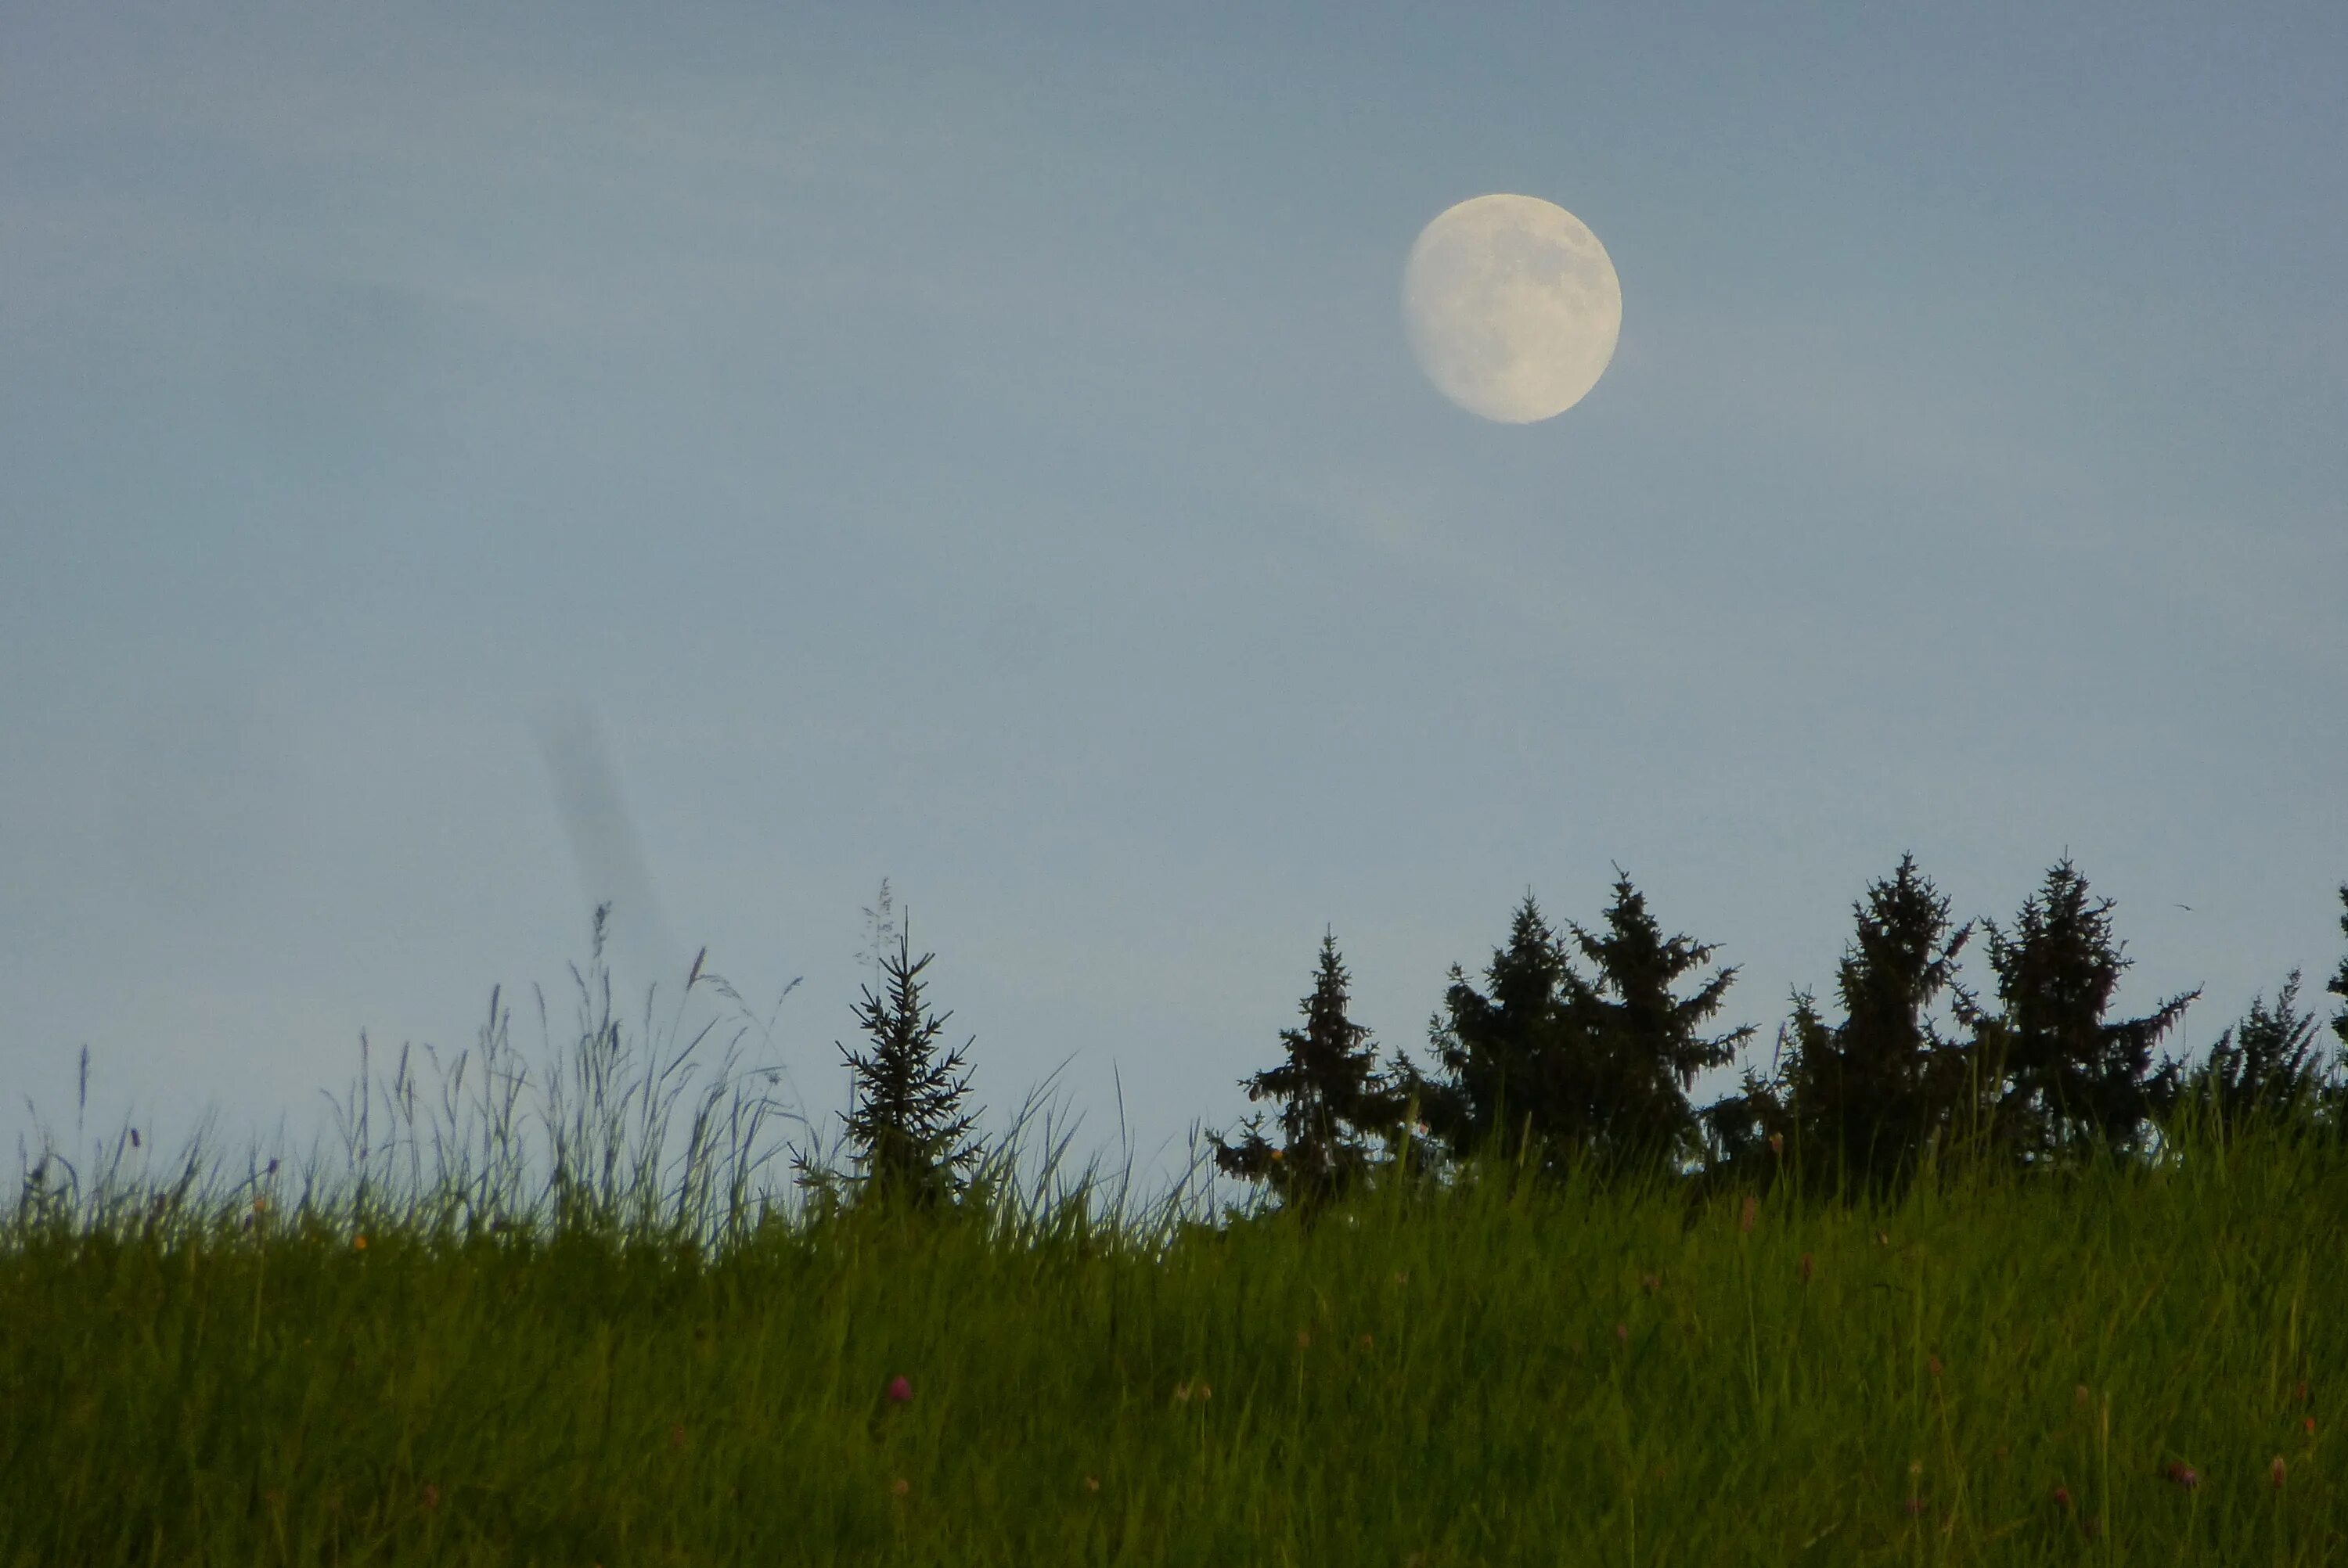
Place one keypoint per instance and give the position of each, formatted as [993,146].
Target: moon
[1512,307]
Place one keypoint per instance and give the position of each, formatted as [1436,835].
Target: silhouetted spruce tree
[2338,984]
[2333,1104]
[1639,1037]
[2265,1067]
[2056,1078]
[906,1124]
[1331,1096]
[1508,1066]
[1595,1068]
[1865,1096]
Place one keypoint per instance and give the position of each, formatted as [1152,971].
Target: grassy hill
[2123,1364]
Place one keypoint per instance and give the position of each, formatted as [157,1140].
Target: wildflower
[1204,1392]
[900,1390]
[1303,1340]
[1804,1268]
[2183,1474]
[1932,1365]
[1365,1341]
[2079,1396]
[358,1244]
[1401,1277]
[1277,1155]
[1777,1143]
[1622,1334]
[2302,1390]
[1091,1484]
[1914,1507]
[1181,1393]
[2063,1497]
[1745,1219]
[901,1486]
[2308,1425]
[2275,1473]
[431,1497]
[261,1205]
[1651,1284]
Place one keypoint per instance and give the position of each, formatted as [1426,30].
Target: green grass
[640,1361]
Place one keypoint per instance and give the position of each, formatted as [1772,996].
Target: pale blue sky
[982,449]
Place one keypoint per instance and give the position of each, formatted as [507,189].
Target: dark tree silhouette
[1595,1068]
[2264,1067]
[906,1124]
[2332,1097]
[1507,1065]
[1640,1037]
[1331,1097]
[2056,1077]
[2338,984]
[1864,1097]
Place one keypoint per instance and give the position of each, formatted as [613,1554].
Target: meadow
[576,1317]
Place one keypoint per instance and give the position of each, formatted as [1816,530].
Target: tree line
[1581,1047]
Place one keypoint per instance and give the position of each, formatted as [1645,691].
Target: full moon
[1512,307]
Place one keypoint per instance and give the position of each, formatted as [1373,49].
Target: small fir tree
[2265,1067]
[2056,1077]
[2332,1097]
[1331,1097]
[2338,984]
[1866,1096]
[1639,1038]
[1595,1068]
[906,1124]
[1507,1066]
